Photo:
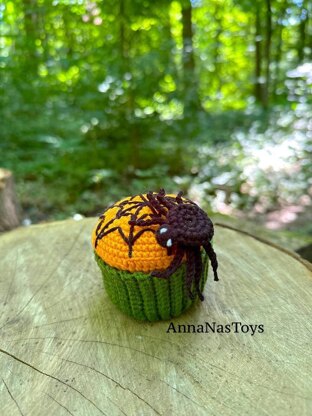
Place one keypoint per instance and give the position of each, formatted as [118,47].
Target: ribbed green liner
[149,298]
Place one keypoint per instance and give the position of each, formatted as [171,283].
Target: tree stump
[66,349]
[9,217]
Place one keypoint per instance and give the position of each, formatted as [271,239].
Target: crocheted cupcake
[153,252]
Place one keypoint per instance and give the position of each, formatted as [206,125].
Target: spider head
[164,236]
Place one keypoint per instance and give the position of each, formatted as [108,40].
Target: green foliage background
[101,99]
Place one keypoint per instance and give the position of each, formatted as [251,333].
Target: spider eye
[163,230]
[169,243]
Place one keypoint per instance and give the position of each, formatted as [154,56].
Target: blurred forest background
[101,99]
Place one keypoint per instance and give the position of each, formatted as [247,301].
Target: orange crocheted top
[111,236]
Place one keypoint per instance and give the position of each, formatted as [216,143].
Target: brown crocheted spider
[185,227]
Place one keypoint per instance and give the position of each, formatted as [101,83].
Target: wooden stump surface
[66,349]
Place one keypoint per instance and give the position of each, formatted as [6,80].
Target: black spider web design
[125,210]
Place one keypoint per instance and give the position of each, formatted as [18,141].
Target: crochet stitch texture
[145,297]
[148,249]
[144,254]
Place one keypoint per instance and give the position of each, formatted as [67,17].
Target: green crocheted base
[149,298]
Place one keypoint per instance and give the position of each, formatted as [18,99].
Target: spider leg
[144,216]
[139,209]
[198,272]
[135,221]
[156,204]
[142,222]
[190,271]
[213,259]
[164,274]
[143,198]
[148,203]
[164,201]
[179,198]
[162,192]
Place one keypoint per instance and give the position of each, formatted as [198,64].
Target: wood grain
[66,350]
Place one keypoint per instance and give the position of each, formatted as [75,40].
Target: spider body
[183,227]
[187,225]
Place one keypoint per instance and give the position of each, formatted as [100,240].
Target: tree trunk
[127,110]
[278,52]
[190,81]
[258,56]
[302,32]
[9,215]
[309,32]
[122,36]
[216,56]
[30,29]
[266,91]
[277,59]
[69,38]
